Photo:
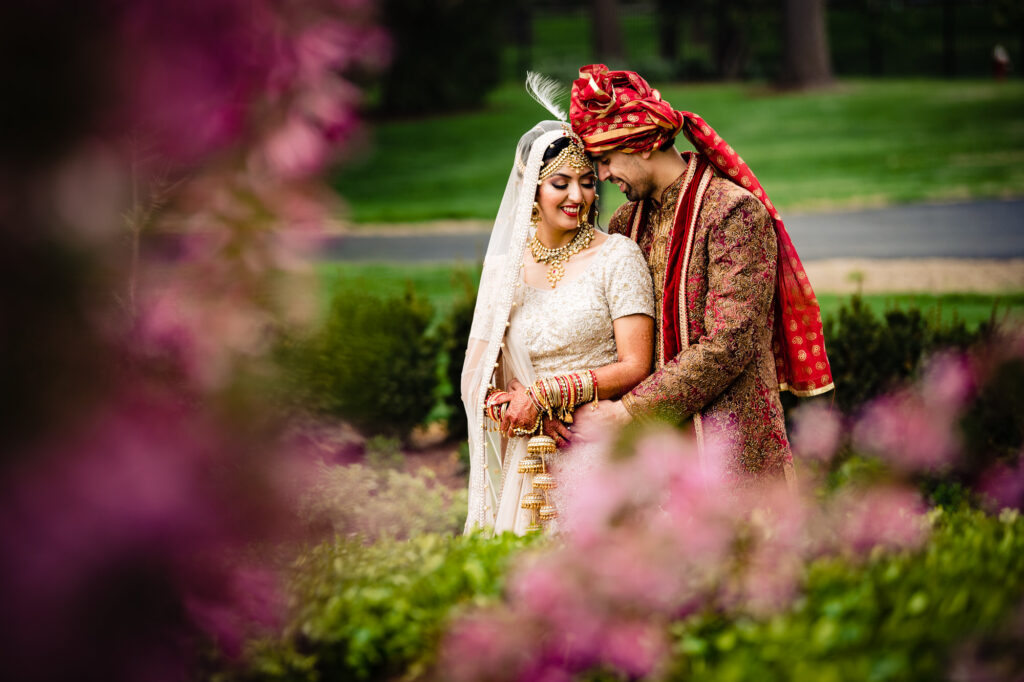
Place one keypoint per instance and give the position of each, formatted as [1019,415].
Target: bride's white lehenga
[525,332]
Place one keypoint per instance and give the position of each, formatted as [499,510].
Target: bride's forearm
[618,378]
[634,342]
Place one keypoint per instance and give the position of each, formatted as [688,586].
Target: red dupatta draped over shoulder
[618,110]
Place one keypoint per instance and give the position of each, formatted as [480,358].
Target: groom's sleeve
[742,250]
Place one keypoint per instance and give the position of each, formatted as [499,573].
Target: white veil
[490,359]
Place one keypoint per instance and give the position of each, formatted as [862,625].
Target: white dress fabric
[569,329]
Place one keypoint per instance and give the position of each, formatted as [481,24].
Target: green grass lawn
[440,284]
[866,142]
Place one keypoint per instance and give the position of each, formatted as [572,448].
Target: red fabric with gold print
[618,110]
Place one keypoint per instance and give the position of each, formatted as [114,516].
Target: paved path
[982,229]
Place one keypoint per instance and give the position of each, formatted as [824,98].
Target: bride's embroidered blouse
[570,328]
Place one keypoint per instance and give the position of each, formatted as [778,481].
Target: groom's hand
[594,421]
[558,431]
[521,413]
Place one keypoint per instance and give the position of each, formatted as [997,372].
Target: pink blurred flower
[540,583]
[244,601]
[194,69]
[947,382]
[634,647]
[1004,484]
[888,517]
[908,432]
[200,338]
[297,148]
[769,581]
[816,432]
[115,523]
[490,645]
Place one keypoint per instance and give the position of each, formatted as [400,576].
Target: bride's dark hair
[554,149]
[551,152]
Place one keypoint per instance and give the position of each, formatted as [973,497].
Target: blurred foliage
[371,503]
[993,427]
[455,335]
[378,611]
[373,363]
[893,618]
[870,355]
[464,458]
[447,54]
[383,452]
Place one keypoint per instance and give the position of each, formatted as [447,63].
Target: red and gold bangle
[533,399]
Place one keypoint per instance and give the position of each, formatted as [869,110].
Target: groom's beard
[642,189]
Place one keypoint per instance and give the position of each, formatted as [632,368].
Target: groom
[736,319]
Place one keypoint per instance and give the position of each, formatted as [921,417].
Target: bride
[564,316]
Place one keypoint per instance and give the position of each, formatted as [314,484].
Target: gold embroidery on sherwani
[726,373]
[684,318]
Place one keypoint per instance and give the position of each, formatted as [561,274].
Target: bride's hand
[521,413]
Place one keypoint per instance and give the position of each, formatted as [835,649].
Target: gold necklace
[557,258]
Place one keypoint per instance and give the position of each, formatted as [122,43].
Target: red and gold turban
[618,110]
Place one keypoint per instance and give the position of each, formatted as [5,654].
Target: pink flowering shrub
[916,428]
[658,536]
[662,535]
[158,198]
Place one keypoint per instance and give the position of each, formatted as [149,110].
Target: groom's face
[629,171]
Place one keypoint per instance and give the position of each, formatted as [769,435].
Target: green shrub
[896,617]
[871,355]
[455,332]
[371,503]
[379,611]
[383,452]
[373,363]
[993,428]
[447,54]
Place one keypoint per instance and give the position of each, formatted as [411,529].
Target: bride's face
[563,196]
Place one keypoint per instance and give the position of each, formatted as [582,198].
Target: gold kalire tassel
[537,448]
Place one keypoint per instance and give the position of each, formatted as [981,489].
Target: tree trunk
[522,35]
[607,29]
[731,47]
[805,62]
[948,38]
[668,14]
[876,42]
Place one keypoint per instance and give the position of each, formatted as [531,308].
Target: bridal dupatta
[493,359]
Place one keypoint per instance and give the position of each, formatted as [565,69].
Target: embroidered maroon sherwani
[737,319]
[721,371]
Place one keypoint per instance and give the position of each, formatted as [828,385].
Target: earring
[535,215]
[597,205]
